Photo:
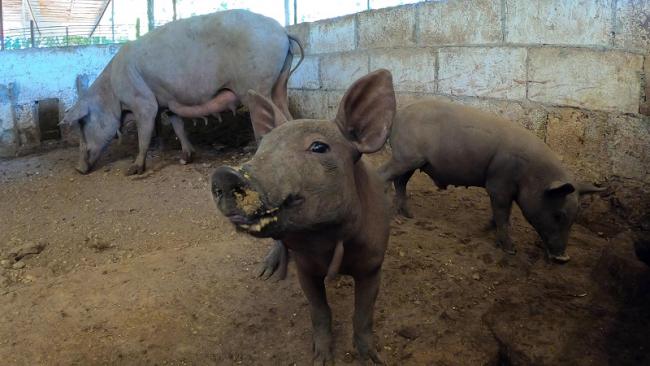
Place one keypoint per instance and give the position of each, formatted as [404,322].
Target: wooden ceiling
[83,14]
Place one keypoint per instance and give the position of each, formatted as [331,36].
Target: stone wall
[575,73]
[30,75]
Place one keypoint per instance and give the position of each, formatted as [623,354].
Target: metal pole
[113,20]
[295,11]
[174,8]
[67,37]
[368,5]
[287,13]
[150,15]
[31,31]
[2,30]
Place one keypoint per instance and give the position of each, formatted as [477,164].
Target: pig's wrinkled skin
[462,146]
[195,67]
[320,198]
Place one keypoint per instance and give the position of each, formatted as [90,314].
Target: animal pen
[183,260]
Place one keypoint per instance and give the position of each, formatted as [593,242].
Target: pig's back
[460,143]
[191,57]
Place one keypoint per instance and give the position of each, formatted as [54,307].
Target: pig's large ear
[366,112]
[559,189]
[75,113]
[265,116]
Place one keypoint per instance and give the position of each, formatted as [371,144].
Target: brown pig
[462,146]
[309,186]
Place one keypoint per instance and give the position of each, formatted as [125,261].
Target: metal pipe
[113,20]
[100,18]
[31,12]
[2,30]
[31,31]
[287,13]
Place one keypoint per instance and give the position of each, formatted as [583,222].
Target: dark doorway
[47,111]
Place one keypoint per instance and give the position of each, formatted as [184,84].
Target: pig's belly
[446,172]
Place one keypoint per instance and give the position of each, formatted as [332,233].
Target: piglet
[308,186]
[463,146]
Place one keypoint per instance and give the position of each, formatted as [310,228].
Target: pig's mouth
[263,221]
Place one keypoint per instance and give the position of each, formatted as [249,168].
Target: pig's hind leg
[186,146]
[501,198]
[399,172]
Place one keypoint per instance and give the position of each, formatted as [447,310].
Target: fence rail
[73,35]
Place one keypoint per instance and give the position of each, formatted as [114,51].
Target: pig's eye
[319,147]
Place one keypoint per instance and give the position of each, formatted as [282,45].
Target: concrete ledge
[332,35]
[459,22]
[394,27]
[633,25]
[559,22]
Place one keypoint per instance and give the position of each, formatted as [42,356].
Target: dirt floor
[143,271]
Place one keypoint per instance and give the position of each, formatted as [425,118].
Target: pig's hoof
[491,225]
[186,158]
[560,258]
[135,169]
[322,347]
[507,248]
[404,212]
[369,354]
[323,357]
[365,348]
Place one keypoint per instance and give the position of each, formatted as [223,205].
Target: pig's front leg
[401,200]
[321,316]
[501,206]
[365,293]
[277,259]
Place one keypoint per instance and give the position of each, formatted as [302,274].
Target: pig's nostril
[293,200]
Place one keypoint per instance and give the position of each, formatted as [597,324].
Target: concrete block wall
[29,75]
[575,73]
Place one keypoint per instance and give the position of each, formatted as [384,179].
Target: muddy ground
[143,271]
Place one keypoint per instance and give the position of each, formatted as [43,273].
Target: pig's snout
[226,180]
[233,194]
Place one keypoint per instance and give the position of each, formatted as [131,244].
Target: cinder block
[645,104]
[308,103]
[459,22]
[300,31]
[338,71]
[332,35]
[413,69]
[393,27]
[496,72]
[633,25]
[588,79]
[529,115]
[559,22]
[306,76]
[579,138]
[314,104]
[628,144]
